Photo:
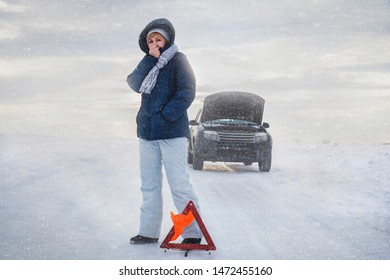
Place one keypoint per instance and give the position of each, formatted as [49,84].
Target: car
[230,128]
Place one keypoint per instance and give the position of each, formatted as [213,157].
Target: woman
[166,82]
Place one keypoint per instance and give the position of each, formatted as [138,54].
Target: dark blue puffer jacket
[163,112]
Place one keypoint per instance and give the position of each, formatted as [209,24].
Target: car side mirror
[265,125]
[193,122]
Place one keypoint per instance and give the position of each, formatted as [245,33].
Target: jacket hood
[157,23]
[233,105]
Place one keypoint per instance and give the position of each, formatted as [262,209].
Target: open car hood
[233,105]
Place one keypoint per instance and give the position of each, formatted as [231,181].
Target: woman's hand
[155,51]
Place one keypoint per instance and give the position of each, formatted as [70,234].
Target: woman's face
[156,40]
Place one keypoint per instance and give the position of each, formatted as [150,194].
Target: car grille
[236,137]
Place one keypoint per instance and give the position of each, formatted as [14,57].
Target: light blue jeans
[172,153]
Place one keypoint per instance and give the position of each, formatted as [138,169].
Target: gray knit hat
[163,32]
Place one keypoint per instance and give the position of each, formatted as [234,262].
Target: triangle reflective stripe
[208,247]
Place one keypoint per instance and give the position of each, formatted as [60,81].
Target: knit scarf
[150,80]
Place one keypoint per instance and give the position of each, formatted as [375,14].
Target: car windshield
[230,122]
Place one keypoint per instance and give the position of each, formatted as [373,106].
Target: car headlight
[211,135]
[261,137]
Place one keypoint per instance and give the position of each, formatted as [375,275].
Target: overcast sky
[275,45]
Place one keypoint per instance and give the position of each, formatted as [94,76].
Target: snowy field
[73,192]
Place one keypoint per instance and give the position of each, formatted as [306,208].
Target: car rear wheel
[190,157]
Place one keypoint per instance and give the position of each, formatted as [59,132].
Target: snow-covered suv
[229,128]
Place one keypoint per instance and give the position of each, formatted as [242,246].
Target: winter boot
[191,241]
[139,239]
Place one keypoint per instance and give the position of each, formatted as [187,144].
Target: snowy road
[79,199]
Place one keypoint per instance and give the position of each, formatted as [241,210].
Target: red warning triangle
[208,247]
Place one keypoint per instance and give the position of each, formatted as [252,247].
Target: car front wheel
[197,163]
[265,164]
